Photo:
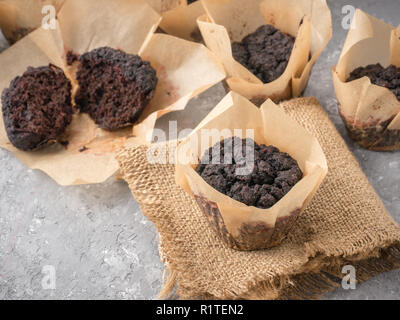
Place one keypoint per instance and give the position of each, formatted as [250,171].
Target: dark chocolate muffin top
[37,107]
[191,1]
[272,173]
[385,77]
[265,52]
[114,86]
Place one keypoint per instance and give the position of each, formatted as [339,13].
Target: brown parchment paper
[370,112]
[19,17]
[228,21]
[89,156]
[162,6]
[181,21]
[240,226]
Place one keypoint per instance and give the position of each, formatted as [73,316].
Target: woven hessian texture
[346,223]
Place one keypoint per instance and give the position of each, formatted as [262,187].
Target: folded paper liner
[184,69]
[181,20]
[238,223]
[371,112]
[345,224]
[19,17]
[231,20]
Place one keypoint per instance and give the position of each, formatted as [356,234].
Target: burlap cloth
[345,224]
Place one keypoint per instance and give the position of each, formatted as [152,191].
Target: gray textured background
[101,245]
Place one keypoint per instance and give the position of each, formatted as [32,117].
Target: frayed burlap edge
[312,283]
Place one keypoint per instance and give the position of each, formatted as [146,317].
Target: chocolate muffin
[385,77]
[114,87]
[71,58]
[272,173]
[265,52]
[37,107]
[191,1]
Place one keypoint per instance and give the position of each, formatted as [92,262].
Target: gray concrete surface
[101,246]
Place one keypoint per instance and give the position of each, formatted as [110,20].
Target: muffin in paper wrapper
[20,17]
[229,21]
[371,113]
[184,69]
[179,18]
[240,226]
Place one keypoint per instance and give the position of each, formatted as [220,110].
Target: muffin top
[270,175]
[385,77]
[132,65]
[265,52]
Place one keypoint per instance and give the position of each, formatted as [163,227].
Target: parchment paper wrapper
[19,17]
[244,227]
[231,20]
[371,113]
[184,70]
[162,6]
[181,20]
